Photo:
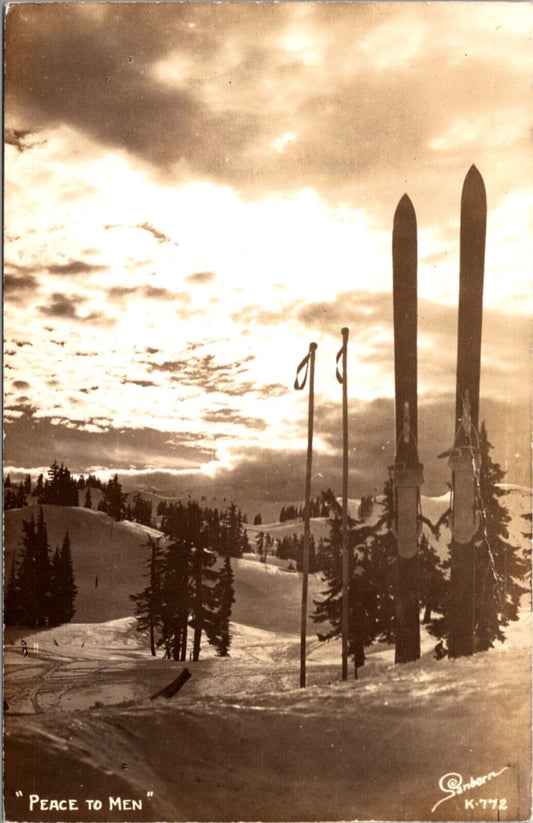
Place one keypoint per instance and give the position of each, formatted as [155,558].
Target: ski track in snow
[242,741]
[242,728]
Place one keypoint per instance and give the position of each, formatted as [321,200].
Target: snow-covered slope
[241,741]
[108,557]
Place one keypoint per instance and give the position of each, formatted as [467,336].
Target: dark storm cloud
[98,68]
[74,267]
[90,66]
[201,277]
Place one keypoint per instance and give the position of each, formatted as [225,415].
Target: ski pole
[309,364]
[343,380]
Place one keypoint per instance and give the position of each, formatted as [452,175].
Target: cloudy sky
[196,191]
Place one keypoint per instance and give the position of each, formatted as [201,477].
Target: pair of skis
[464,457]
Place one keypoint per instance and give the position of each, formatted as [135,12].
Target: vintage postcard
[267,411]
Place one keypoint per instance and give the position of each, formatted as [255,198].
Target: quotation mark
[18,794]
[149,794]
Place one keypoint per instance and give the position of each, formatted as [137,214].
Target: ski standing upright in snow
[464,457]
[407,470]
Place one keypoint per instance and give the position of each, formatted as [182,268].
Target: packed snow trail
[242,742]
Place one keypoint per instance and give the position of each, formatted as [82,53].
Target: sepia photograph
[267,470]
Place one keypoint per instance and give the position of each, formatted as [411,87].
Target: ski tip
[405,209]
[474,180]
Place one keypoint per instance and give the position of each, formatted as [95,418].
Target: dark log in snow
[174,687]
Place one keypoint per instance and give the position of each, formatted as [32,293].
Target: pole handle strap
[299,384]
[338,375]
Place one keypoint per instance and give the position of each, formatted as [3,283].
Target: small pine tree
[500,567]
[88,504]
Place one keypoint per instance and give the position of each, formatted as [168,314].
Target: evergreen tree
[62,586]
[372,566]
[500,567]
[32,587]
[14,497]
[433,588]
[260,544]
[190,590]
[148,602]
[59,489]
[68,587]
[113,500]
[218,631]
[258,520]
[175,599]
[39,487]
[54,617]
[88,504]
[140,511]
[204,605]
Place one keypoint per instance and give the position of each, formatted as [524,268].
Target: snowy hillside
[107,556]
[242,741]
